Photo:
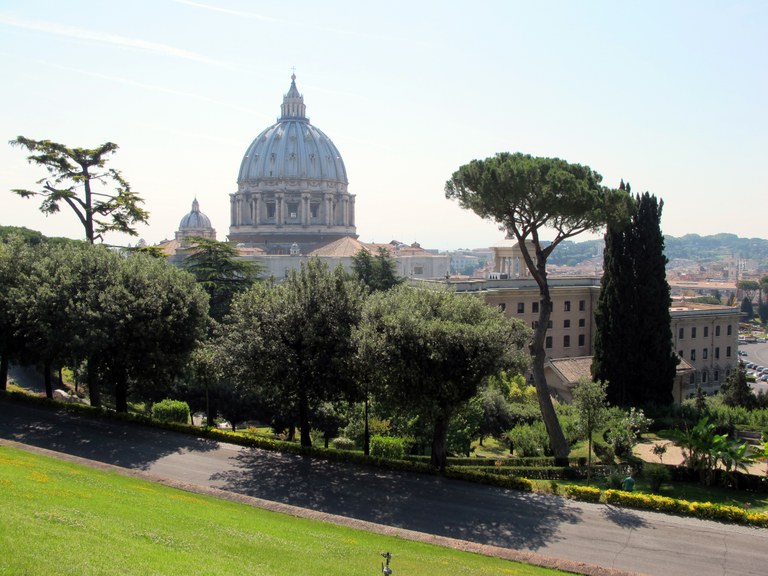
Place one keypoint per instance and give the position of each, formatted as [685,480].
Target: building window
[535,324]
[502,306]
[716,376]
[521,307]
[548,343]
[728,351]
[567,306]
[582,322]
[535,307]
[582,305]
[582,340]
[717,330]
[693,378]
[418,270]
[706,331]
[717,352]
[730,330]
[693,355]
[566,341]
[549,324]
[293,210]
[705,353]
[681,333]
[566,323]
[693,332]
[704,377]
[270,210]
[314,209]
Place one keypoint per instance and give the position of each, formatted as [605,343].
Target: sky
[670,96]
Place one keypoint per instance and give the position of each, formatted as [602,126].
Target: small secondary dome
[195,224]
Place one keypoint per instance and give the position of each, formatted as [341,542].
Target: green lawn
[63,518]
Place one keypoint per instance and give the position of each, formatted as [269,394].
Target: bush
[529,439]
[388,447]
[171,411]
[656,474]
[585,493]
[342,443]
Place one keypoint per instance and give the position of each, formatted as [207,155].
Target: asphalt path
[628,540]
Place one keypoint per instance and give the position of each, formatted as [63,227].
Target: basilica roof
[195,220]
[292,148]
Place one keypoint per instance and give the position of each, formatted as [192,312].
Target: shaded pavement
[544,525]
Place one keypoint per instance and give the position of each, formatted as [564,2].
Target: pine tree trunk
[306,440]
[4,372]
[93,384]
[439,444]
[47,378]
[121,393]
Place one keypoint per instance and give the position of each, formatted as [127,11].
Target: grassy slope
[62,518]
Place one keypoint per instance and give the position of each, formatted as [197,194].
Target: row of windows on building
[566,323]
[702,376]
[582,339]
[681,331]
[705,353]
[535,307]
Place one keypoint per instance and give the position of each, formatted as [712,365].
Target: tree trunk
[93,384]
[439,444]
[557,441]
[306,440]
[121,393]
[367,433]
[4,372]
[47,378]
[210,409]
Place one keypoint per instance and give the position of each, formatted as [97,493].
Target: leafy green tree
[16,260]
[590,401]
[736,391]
[749,287]
[293,342]
[525,194]
[43,313]
[633,342]
[219,270]
[376,272]
[746,308]
[73,175]
[432,349]
[155,314]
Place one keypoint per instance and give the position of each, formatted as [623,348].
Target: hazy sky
[669,95]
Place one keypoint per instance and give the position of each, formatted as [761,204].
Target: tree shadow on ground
[110,441]
[413,501]
[623,517]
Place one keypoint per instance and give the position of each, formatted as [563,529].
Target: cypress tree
[633,341]
[609,360]
[655,370]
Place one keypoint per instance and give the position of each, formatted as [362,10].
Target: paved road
[633,541]
[757,353]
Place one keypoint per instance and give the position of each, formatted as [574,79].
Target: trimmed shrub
[656,474]
[389,447]
[585,493]
[171,411]
[482,477]
[342,443]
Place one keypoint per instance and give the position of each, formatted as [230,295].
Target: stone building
[704,336]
